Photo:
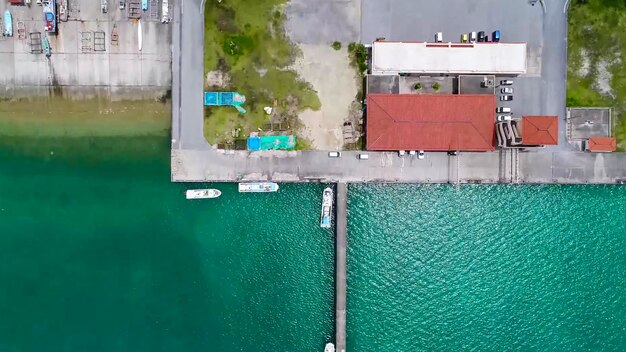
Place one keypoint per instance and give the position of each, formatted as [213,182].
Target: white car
[420,155]
[504,118]
[506,82]
[412,152]
[506,97]
[363,156]
[439,37]
[472,37]
[401,152]
[507,90]
[503,109]
[334,154]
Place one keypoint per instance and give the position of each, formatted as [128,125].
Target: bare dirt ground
[331,75]
[328,70]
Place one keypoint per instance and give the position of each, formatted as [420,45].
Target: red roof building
[540,130]
[601,144]
[432,122]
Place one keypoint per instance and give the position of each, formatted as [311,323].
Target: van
[439,37]
[472,37]
[503,109]
[495,37]
[334,154]
[363,156]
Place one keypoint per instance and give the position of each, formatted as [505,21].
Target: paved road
[188,69]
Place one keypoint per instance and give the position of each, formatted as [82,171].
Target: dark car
[482,37]
[495,36]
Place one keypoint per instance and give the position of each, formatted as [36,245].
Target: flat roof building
[389,58]
[431,122]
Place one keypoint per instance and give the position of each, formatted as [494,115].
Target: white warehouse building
[391,58]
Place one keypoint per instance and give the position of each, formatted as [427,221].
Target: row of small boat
[250,187]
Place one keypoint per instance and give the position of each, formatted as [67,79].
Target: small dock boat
[202,193]
[329,347]
[327,208]
[139,35]
[45,43]
[144,5]
[260,187]
[8,24]
[50,16]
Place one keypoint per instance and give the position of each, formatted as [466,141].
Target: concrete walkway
[340,259]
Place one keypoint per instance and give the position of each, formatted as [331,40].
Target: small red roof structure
[540,130]
[602,144]
[432,122]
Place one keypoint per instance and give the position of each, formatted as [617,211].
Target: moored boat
[327,208]
[45,43]
[202,193]
[8,24]
[49,16]
[139,35]
[330,347]
[262,187]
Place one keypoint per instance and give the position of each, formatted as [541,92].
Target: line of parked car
[364,156]
[506,95]
[473,37]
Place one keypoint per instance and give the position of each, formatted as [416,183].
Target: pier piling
[340,258]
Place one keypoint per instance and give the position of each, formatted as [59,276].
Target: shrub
[336,45]
[436,86]
[418,86]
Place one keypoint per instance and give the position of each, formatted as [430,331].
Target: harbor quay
[97,49]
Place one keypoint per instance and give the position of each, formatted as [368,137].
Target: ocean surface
[100,252]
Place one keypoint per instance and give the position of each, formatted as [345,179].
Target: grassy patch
[597,34]
[246,40]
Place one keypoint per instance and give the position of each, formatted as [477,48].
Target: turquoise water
[100,252]
[488,268]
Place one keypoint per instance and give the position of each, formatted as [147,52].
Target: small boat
[329,347]
[144,5]
[139,35]
[327,208]
[202,193]
[165,11]
[261,187]
[8,24]
[49,16]
[45,43]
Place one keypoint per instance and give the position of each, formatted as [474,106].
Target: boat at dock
[202,193]
[261,187]
[8,24]
[329,347]
[45,44]
[327,208]
[50,16]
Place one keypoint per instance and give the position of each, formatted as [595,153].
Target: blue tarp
[254,143]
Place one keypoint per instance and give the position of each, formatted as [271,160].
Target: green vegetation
[245,41]
[303,144]
[358,57]
[436,86]
[336,45]
[597,43]
[418,86]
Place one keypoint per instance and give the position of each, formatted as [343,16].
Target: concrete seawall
[386,167]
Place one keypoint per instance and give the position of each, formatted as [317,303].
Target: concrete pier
[340,279]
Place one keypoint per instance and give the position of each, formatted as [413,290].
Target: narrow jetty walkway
[340,258]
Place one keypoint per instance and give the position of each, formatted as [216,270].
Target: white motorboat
[202,193]
[260,187]
[329,347]
[327,208]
